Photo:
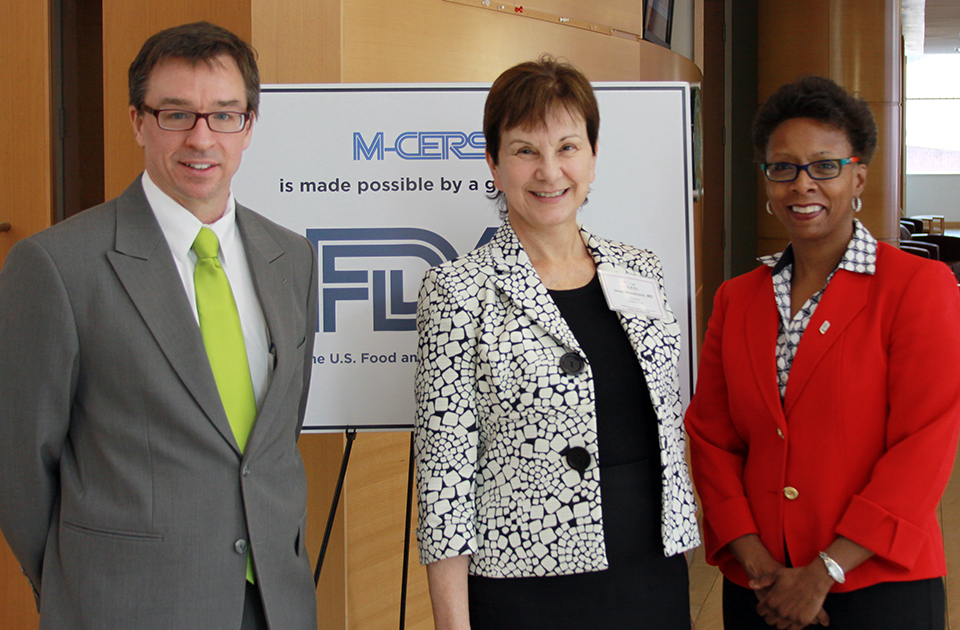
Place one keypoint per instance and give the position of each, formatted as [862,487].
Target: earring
[769,211]
[857,204]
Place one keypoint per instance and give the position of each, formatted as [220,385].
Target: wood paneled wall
[26,117]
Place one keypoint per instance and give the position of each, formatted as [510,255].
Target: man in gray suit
[131,491]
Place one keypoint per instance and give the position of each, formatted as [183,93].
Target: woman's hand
[769,578]
[793,598]
[448,593]
[756,560]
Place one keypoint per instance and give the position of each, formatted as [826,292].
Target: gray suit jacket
[123,493]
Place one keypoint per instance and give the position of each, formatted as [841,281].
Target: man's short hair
[194,43]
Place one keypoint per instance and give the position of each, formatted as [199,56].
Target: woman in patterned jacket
[818,463]
[535,398]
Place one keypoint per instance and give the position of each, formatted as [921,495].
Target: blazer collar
[516,276]
[760,329]
[144,264]
[844,298]
[273,281]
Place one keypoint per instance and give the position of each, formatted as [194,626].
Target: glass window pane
[932,116]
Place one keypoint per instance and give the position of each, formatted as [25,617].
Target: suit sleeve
[717,451]
[39,366]
[923,388]
[310,333]
[446,423]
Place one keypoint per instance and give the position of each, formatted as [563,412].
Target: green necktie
[223,340]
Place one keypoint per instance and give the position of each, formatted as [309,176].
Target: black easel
[406,538]
[351,436]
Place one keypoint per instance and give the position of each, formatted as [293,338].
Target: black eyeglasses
[821,169]
[182,120]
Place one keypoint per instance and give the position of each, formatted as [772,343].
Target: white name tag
[632,293]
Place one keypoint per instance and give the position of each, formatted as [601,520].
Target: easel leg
[406,538]
[351,436]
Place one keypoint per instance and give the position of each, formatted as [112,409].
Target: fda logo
[361,264]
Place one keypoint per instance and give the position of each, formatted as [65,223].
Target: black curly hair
[821,99]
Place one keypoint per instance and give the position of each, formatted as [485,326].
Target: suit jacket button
[571,363]
[240,546]
[578,458]
[246,470]
[780,432]
[791,493]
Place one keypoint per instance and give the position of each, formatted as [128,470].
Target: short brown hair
[820,99]
[194,43]
[524,95]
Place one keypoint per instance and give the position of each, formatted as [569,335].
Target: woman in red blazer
[827,411]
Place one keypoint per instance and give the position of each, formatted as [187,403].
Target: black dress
[642,588]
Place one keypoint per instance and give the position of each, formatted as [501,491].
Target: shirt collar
[859,257]
[180,226]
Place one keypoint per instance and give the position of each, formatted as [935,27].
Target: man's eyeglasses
[821,169]
[182,120]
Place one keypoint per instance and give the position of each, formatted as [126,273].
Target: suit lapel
[647,336]
[845,297]
[271,273]
[516,278]
[636,326]
[761,327]
[145,267]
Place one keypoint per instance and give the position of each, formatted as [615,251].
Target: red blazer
[865,439]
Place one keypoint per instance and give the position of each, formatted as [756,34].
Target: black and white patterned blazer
[496,415]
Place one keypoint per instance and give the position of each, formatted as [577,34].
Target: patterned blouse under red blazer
[864,441]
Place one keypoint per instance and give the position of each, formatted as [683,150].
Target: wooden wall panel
[375,512]
[710,239]
[623,15]
[437,41]
[793,40]
[126,25]
[26,147]
[322,455]
[864,48]
[881,198]
[297,42]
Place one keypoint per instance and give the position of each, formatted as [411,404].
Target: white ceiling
[931,27]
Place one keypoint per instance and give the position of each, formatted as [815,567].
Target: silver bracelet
[833,569]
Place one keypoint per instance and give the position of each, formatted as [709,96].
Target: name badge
[631,293]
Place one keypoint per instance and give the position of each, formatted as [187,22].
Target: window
[933,114]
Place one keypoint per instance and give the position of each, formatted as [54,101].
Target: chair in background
[914,225]
[949,249]
[916,251]
[932,249]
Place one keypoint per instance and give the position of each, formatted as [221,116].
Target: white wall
[934,194]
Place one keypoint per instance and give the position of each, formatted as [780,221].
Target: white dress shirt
[180,227]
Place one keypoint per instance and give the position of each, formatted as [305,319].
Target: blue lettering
[360,147]
[422,145]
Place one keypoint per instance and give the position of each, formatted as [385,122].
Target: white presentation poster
[389,180]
